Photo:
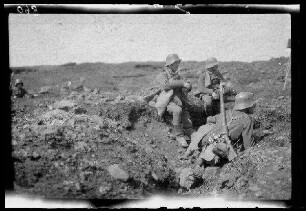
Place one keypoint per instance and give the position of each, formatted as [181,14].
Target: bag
[162,101]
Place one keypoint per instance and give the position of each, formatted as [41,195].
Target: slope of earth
[109,144]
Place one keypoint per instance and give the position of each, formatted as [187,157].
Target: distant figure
[288,68]
[208,86]
[19,91]
[240,127]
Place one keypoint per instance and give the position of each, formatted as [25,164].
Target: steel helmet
[171,58]
[212,61]
[244,100]
[18,81]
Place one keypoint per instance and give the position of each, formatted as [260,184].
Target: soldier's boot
[189,131]
[178,133]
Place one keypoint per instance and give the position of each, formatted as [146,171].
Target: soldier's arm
[202,88]
[170,84]
[247,133]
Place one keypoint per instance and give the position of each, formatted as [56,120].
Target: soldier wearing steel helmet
[173,99]
[19,91]
[208,86]
[240,127]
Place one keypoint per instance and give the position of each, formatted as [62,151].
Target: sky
[54,39]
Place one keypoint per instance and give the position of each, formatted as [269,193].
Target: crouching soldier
[19,91]
[240,127]
[208,86]
[173,99]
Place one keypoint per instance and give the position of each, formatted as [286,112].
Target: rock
[22,137]
[44,90]
[267,132]
[64,104]
[280,97]
[98,121]
[254,188]
[154,176]
[77,87]
[280,138]
[186,178]
[120,98]
[14,142]
[35,155]
[96,91]
[105,189]
[74,93]
[35,95]
[210,173]
[241,182]
[87,90]
[78,186]
[116,172]
[50,107]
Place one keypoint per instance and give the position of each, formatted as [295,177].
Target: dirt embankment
[105,145]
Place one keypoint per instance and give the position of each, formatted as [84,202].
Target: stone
[105,189]
[280,97]
[155,177]
[86,89]
[254,188]
[186,178]
[210,172]
[14,142]
[96,91]
[50,107]
[22,137]
[35,155]
[267,132]
[64,104]
[44,90]
[78,186]
[116,172]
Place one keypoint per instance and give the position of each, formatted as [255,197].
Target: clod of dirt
[116,172]
[64,104]
[186,178]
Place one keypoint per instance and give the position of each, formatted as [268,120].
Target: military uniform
[208,83]
[239,125]
[19,92]
[177,101]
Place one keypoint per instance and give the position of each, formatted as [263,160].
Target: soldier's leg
[208,104]
[187,123]
[178,132]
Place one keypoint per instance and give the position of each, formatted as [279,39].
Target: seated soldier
[208,86]
[171,98]
[240,127]
[19,91]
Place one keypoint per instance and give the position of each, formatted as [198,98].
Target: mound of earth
[97,144]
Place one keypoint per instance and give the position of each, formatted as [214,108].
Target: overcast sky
[61,38]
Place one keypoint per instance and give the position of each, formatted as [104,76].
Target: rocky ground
[97,144]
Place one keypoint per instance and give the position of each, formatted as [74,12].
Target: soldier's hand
[215,96]
[187,86]
[210,119]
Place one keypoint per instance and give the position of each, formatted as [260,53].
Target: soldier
[208,86]
[240,127]
[19,91]
[173,99]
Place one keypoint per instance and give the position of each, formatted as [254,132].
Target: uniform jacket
[19,92]
[209,81]
[171,86]
[240,125]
